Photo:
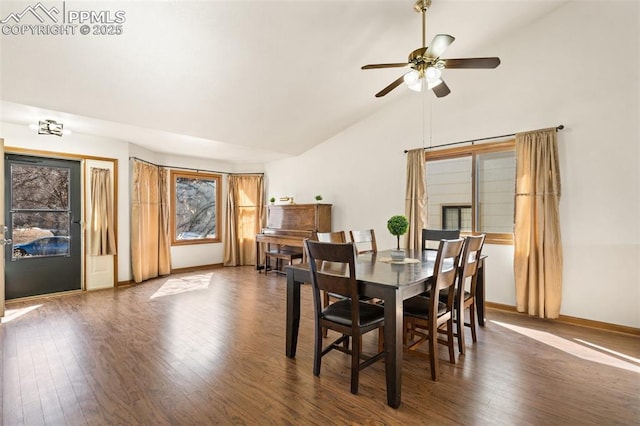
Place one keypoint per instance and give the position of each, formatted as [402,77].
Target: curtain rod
[189,168]
[472,141]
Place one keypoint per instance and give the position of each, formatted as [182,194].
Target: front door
[42,213]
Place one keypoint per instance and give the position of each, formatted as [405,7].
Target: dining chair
[426,317]
[467,279]
[434,236]
[364,240]
[332,268]
[330,237]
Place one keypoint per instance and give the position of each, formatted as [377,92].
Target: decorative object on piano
[398,226]
[287,199]
[318,198]
[272,200]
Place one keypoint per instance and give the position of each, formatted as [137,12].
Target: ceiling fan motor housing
[422,5]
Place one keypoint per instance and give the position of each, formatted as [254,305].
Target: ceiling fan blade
[374,66]
[441,90]
[438,45]
[390,87]
[472,63]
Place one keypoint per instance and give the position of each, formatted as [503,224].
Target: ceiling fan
[426,64]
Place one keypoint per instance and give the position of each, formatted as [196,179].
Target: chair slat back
[332,269]
[470,260]
[364,240]
[435,235]
[332,237]
[445,269]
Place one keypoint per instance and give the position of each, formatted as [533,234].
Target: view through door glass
[42,210]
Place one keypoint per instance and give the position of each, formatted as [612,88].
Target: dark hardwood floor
[208,348]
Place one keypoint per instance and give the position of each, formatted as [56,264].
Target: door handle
[6,241]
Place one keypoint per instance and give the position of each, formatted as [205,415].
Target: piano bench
[281,254]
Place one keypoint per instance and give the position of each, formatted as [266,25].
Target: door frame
[83,188]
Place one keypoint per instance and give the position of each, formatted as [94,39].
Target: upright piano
[287,226]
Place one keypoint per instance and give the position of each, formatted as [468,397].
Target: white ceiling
[240,81]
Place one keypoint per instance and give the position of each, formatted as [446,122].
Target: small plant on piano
[318,197]
[272,200]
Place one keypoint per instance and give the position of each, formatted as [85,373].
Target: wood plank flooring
[208,348]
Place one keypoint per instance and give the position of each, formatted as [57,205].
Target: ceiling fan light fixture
[411,77]
[413,81]
[432,75]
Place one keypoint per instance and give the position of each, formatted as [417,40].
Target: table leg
[257,255]
[393,347]
[480,294]
[293,314]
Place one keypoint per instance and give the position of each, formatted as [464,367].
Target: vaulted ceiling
[239,81]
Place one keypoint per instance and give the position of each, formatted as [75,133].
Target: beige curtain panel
[537,241]
[149,237]
[416,197]
[164,223]
[103,241]
[245,210]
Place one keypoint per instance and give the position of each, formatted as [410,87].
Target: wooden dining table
[389,281]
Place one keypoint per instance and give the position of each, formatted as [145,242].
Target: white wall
[556,71]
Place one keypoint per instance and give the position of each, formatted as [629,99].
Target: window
[472,189]
[195,210]
[456,217]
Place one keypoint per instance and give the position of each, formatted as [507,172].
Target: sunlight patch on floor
[11,314]
[573,348]
[184,284]
[602,348]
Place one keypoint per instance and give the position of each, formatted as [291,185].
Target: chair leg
[325,303]
[433,350]
[450,341]
[472,322]
[380,339]
[355,363]
[317,353]
[460,328]
[407,331]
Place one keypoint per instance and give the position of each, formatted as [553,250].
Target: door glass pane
[496,185]
[40,216]
[39,187]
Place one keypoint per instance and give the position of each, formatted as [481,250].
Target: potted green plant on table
[398,226]
[318,198]
[272,200]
